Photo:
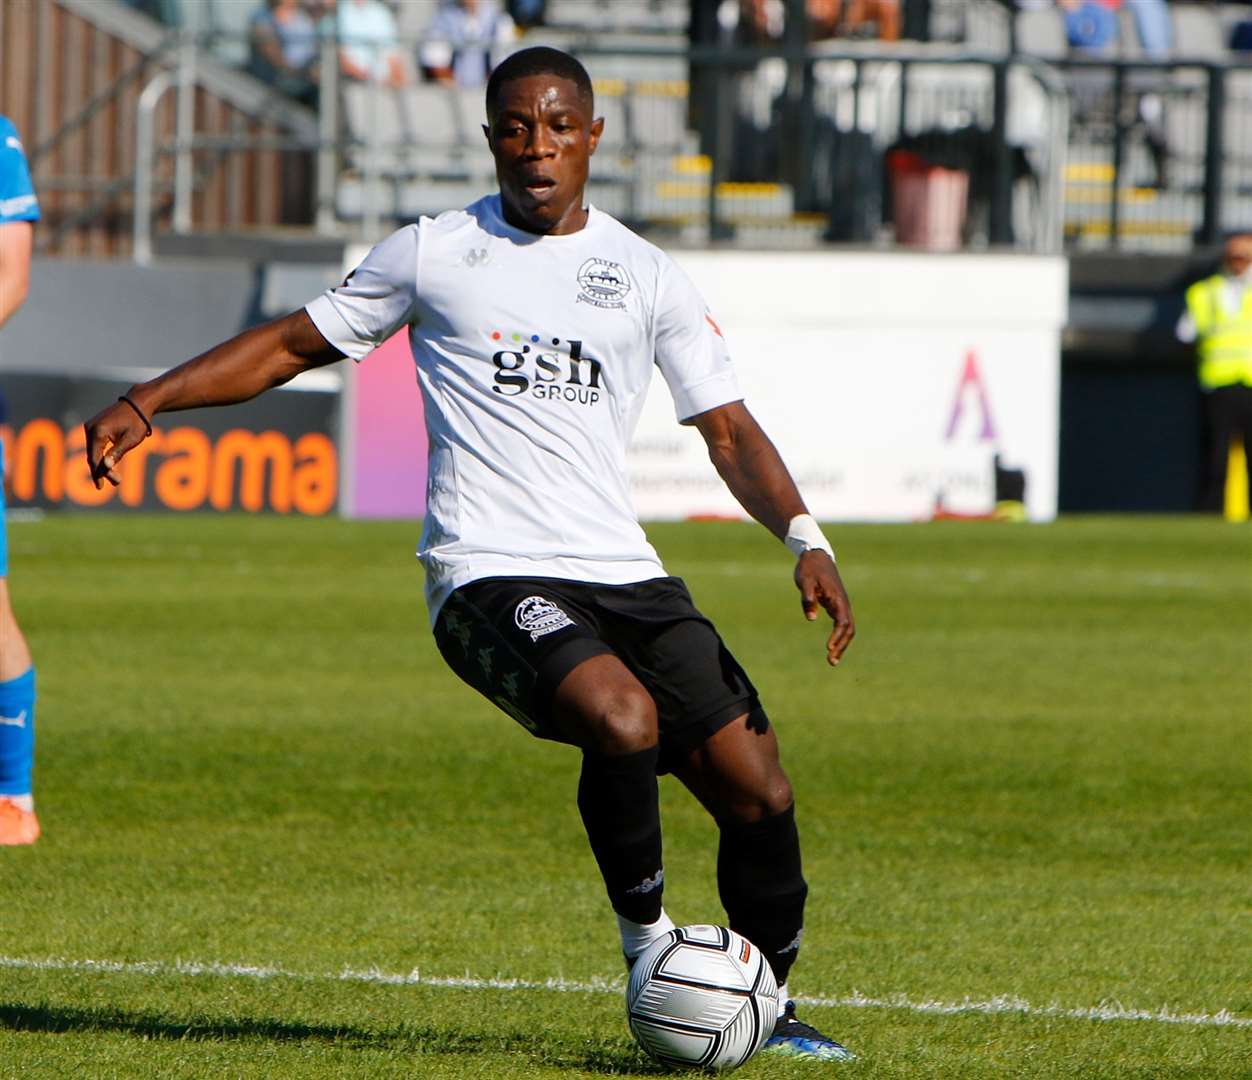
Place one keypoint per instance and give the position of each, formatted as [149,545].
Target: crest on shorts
[604,283]
[538,616]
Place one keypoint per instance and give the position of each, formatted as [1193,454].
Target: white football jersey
[534,355]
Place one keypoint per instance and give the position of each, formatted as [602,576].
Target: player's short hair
[540,60]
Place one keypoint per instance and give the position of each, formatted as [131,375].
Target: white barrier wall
[889,382]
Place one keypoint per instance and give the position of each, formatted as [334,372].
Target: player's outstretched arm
[756,475]
[237,370]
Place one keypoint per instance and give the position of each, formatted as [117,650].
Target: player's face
[542,136]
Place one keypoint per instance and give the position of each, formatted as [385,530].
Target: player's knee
[777,798]
[766,799]
[624,722]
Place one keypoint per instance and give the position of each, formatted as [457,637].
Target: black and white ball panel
[702,996]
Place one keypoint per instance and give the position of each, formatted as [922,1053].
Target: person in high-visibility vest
[1219,320]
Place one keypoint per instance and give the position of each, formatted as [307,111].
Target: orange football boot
[17,826]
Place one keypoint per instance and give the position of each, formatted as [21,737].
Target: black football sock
[617,797]
[762,888]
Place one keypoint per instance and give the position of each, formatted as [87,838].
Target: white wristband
[804,534]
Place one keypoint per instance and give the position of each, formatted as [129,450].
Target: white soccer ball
[702,997]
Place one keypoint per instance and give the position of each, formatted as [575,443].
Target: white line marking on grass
[998,1005]
[1005,1004]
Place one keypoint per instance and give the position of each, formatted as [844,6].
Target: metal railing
[784,145]
[1160,153]
[1002,121]
[789,145]
[710,143]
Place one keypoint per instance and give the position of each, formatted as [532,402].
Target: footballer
[535,321]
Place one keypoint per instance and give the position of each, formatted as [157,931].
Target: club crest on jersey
[538,616]
[604,283]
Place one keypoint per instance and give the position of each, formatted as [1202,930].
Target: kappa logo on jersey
[795,943]
[515,711]
[476,257]
[538,616]
[532,367]
[648,885]
[604,283]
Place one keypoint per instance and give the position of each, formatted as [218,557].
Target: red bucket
[928,202]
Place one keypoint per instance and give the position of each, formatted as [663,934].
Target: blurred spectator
[284,50]
[528,13]
[164,11]
[369,42]
[464,41]
[1241,36]
[1155,31]
[1091,25]
[860,18]
[764,20]
[1092,29]
[1219,320]
[1153,26]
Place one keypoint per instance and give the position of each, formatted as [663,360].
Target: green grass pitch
[1024,799]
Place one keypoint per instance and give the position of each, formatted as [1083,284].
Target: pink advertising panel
[384,435]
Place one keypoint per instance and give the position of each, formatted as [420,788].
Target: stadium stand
[1041,32]
[1132,151]
[1198,32]
[618,16]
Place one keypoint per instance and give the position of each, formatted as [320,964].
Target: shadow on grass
[603,1057]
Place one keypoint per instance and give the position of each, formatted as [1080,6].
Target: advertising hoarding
[892,384]
[276,453]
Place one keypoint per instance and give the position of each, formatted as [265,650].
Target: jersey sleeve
[17,194]
[376,299]
[690,349]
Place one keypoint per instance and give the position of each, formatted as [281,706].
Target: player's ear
[487,133]
[597,129]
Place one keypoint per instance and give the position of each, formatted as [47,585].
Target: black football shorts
[514,639]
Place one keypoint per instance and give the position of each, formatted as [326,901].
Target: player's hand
[820,586]
[111,434]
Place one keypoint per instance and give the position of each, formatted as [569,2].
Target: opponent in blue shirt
[19,208]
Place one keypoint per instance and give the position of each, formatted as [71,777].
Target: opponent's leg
[18,824]
[737,776]
[603,709]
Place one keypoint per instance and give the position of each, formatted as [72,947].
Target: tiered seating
[1160,201]
[1041,32]
[416,150]
[421,151]
[1198,33]
[618,16]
